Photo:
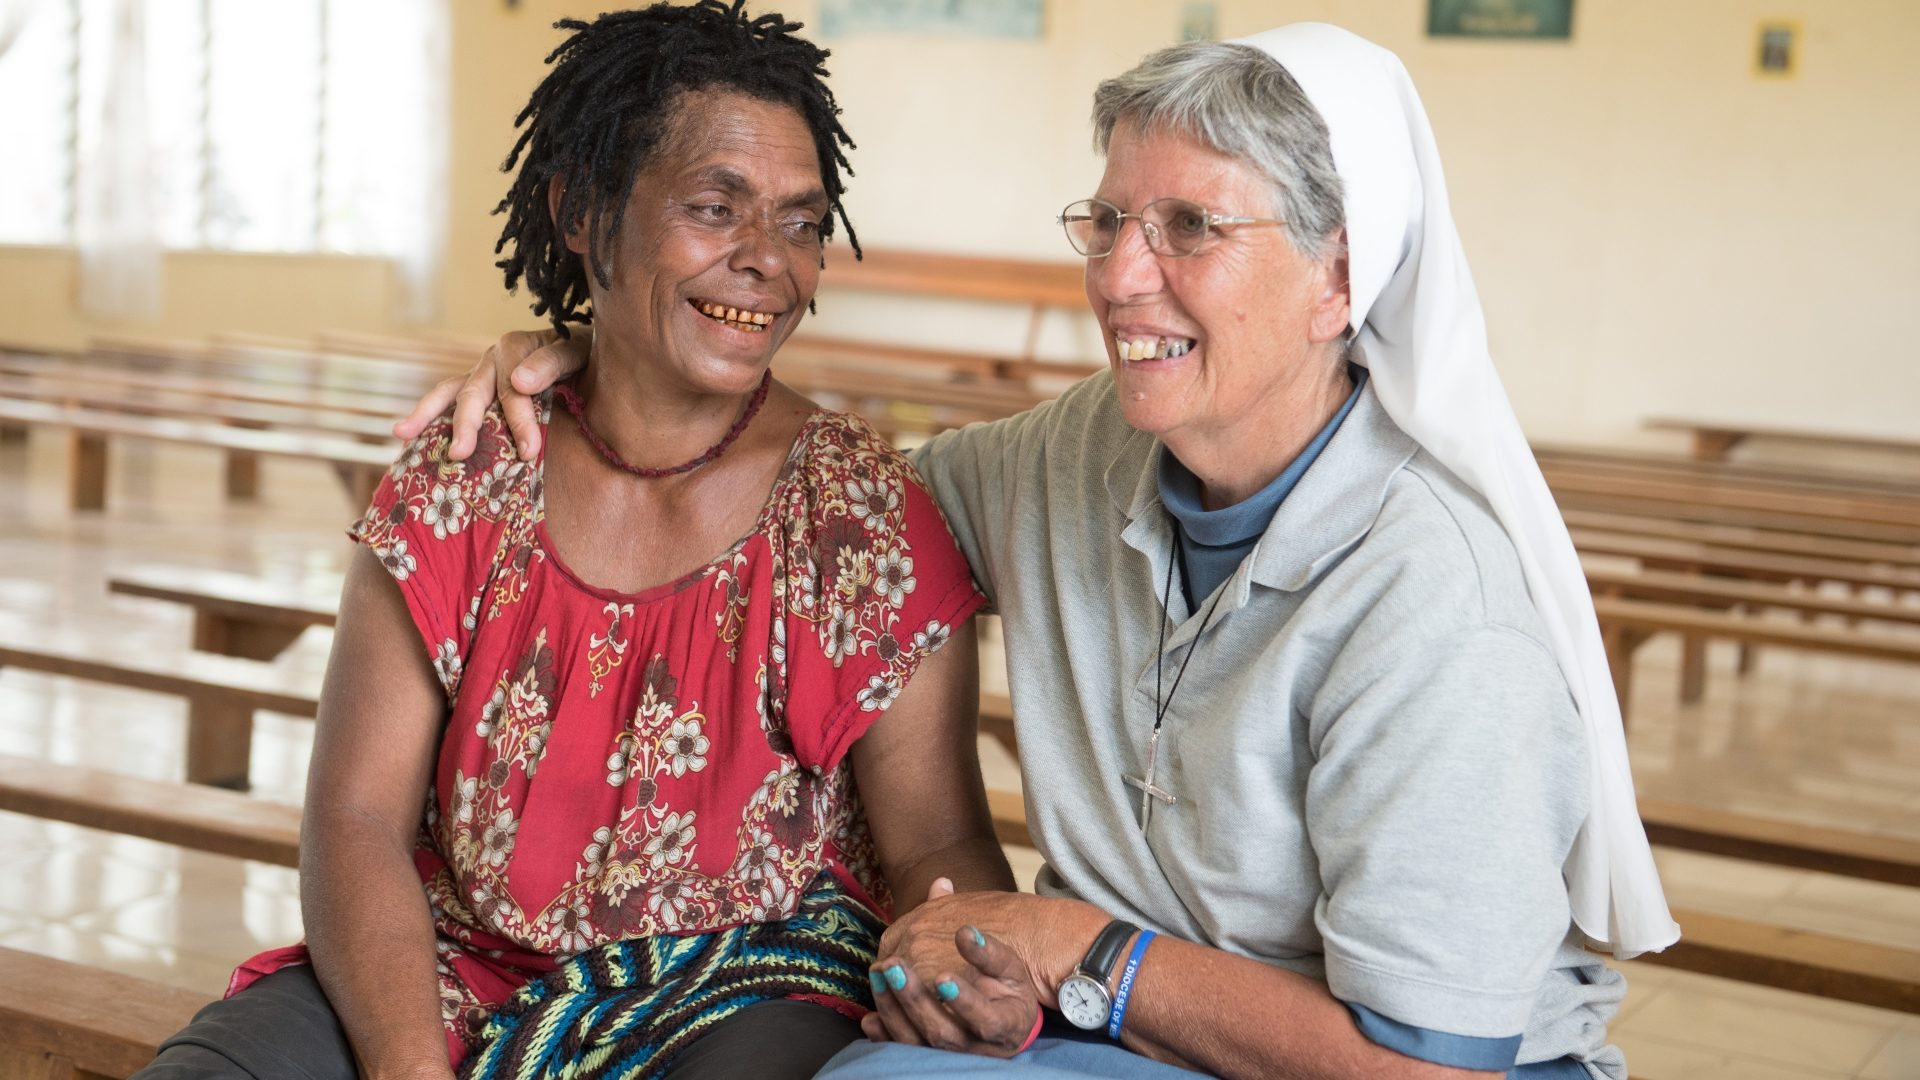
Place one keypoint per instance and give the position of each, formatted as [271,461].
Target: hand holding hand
[985,1004]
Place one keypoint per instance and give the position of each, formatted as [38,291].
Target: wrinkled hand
[519,366]
[972,995]
[962,973]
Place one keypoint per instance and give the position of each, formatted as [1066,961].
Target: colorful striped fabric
[624,1011]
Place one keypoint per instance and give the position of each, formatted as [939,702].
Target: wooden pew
[1870,856]
[1833,507]
[1776,520]
[1794,477]
[221,692]
[191,816]
[1776,541]
[1713,440]
[1735,594]
[64,1021]
[358,463]
[235,614]
[1662,553]
[1626,624]
[1803,961]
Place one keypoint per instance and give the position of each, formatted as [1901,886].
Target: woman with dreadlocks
[643,850]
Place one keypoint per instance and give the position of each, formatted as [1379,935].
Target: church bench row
[1649,463]
[1713,440]
[221,692]
[66,1021]
[349,400]
[1660,552]
[359,464]
[1572,497]
[1775,540]
[1626,624]
[76,388]
[1839,509]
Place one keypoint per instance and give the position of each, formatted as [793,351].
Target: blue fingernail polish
[979,938]
[947,989]
[897,977]
[879,983]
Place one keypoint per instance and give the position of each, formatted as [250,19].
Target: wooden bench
[1737,474]
[1870,856]
[1661,553]
[1713,440]
[1737,516]
[359,464]
[1832,506]
[65,1021]
[1803,961]
[191,816]
[1627,624]
[221,692]
[1776,541]
[236,614]
[1734,594]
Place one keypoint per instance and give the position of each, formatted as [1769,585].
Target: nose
[758,247]
[1130,270]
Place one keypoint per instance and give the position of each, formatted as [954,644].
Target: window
[282,126]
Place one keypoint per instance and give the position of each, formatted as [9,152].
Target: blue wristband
[1125,989]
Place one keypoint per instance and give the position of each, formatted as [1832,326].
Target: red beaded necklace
[571,399]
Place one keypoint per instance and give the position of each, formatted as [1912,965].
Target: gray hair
[1243,103]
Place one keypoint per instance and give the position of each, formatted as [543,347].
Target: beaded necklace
[571,399]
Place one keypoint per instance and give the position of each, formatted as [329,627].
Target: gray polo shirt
[1378,766]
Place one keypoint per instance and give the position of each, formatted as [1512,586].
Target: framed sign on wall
[1500,18]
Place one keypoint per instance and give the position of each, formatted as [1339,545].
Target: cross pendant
[1149,792]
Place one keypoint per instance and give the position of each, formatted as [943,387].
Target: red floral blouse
[620,765]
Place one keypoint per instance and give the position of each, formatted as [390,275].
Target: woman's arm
[368,927]
[1191,1005]
[918,771]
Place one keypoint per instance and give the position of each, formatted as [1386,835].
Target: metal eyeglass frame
[1156,240]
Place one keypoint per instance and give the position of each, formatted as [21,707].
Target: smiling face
[719,253]
[1260,317]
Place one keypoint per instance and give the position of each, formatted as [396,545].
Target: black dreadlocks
[605,109]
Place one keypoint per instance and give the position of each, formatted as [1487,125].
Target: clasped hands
[960,972]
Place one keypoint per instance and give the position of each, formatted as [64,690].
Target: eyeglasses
[1175,228]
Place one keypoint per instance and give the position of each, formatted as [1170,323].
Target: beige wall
[1654,229]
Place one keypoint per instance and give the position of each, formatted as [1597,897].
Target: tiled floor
[1820,740]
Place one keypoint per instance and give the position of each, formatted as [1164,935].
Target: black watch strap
[1105,954]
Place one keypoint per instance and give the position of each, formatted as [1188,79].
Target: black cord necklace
[1149,793]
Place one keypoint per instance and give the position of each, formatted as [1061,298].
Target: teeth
[1153,348]
[739,318]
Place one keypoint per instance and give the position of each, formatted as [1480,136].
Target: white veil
[1424,339]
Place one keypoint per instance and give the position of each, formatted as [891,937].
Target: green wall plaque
[1500,18]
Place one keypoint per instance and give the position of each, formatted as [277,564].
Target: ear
[556,190]
[1333,307]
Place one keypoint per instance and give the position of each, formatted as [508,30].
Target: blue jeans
[1062,1052]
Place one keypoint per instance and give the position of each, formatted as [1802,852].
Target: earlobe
[1333,309]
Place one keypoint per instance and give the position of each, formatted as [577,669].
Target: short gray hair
[1243,103]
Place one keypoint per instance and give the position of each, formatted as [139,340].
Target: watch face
[1084,1002]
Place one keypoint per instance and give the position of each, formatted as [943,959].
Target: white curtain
[119,241]
[423,240]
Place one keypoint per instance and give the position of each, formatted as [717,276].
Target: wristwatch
[1084,997]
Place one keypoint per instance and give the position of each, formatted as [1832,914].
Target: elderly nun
[1314,720]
